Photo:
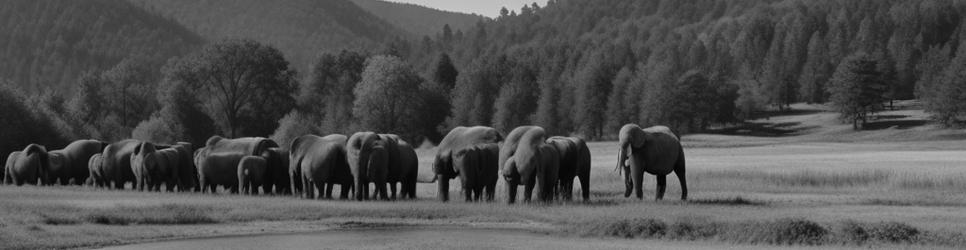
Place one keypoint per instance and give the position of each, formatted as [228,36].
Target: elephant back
[78,154]
[247,145]
[116,158]
[522,143]
[460,138]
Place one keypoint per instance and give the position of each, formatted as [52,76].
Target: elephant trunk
[621,167]
[443,187]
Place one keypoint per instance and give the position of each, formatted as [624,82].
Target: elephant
[116,164]
[368,157]
[479,170]
[152,166]
[527,159]
[70,165]
[94,178]
[574,163]
[655,150]
[457,139]
[218,169]
[318,163]
[28,166]
[251,174]
[187,171]
[403,166]
[223,170]
[11,160]
[276,173]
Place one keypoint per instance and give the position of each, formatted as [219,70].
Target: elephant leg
[637,174]
[528,191]
[661,186]
[490,190]
[411,186]
[511,192]
[328,190]
[584,185]
[294,183]
[360,188]
[234,189]
[684,184]
[468,193]
[344,190]
[64,181]
[308,191]
[443,188]
[477,193]
[381,189]
[392,190]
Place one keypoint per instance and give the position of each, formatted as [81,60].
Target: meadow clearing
[817,184]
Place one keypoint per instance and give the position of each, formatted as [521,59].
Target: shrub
[292,126]
[893,232]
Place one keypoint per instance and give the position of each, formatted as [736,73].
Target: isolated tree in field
[857,89]
[388,99]
[244,86]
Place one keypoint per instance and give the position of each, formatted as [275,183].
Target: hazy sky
[490,8]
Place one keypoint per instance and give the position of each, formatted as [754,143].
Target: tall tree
[244,86]
[388,99]
[326,98]
[816,71]
[857,89]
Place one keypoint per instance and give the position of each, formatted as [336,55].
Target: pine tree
[857,89]
[816,71]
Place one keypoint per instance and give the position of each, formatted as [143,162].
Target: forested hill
[589,66]
[302,29]
[50,43]
[418,20]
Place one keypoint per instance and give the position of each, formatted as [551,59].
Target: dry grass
[777,191]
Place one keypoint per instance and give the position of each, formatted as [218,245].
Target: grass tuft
[168,214]
[735,201]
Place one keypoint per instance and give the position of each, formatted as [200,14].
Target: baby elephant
[251,172]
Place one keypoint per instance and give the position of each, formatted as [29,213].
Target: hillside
[416,19]
[49,43]
[587,67]
[299,28]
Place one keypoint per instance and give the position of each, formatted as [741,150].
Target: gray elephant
[152,167]
[116,164]
[28,166]
[218,169]
[277,179]
[94,178]
[461,139]
[11,161]
[226,153]
[479,170]
[527,159]
[318,163]
[368,157]
[574,163]
[69,165]
[655,150]
[403,166]
[187,171]
[251,174]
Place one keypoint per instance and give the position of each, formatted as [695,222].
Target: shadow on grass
[735,201]
[901,124]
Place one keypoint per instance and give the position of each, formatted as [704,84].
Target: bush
[850,233]
[633,228]
[158,130]
[292,126]
[168,214]
[893,232]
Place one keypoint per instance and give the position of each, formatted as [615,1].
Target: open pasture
[916,185]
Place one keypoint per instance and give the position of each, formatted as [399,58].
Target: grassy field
[818,185]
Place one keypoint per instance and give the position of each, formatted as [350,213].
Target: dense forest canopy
[46,45]
[578,67]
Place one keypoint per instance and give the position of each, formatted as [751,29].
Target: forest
[574,67]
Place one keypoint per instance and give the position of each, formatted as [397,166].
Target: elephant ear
[632,134]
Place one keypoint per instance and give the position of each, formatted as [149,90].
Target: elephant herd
[365,165]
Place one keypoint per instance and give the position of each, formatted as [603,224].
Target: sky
[490,8]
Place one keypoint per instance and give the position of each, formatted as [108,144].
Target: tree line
[573,67]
